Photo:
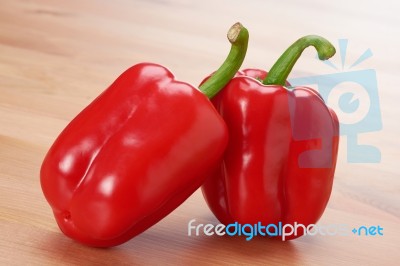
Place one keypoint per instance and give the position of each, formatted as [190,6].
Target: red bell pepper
[137,151]
[280,160]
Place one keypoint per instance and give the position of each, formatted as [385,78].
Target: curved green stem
[238,36]
[281,69]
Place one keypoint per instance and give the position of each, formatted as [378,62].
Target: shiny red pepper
[137,151]
[280,160]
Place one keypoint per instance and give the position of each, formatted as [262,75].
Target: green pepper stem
[281,69]
[238,36]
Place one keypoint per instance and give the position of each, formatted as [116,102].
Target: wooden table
[56,56]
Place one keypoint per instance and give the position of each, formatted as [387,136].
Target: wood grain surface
[57,56]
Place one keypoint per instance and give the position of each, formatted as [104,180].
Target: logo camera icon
[354,97]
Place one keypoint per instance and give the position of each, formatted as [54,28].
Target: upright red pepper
[283,142]
[137,151]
